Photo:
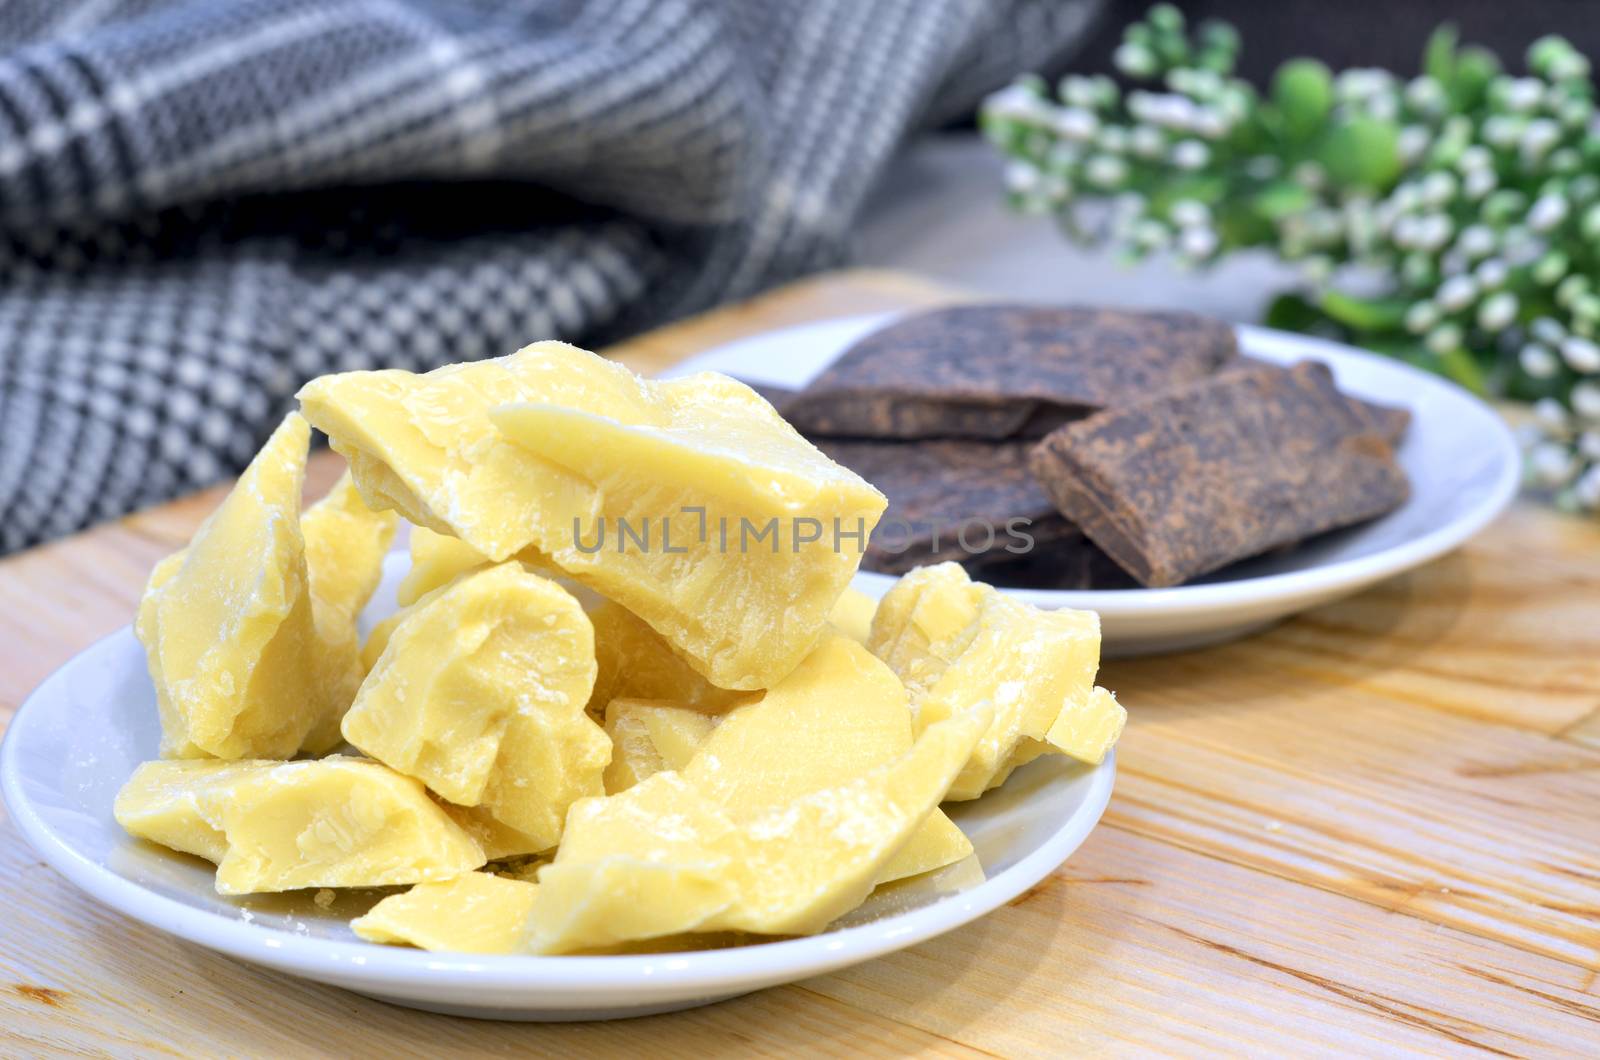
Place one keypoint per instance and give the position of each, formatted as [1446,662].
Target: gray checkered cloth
[203,203]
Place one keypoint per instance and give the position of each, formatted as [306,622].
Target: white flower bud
[1210,123]
[1547,212]
[1190,212]
[1456,293]
[1550,268]
[1150,234]
[1521,247]
[1587,490]
[1063,155]
[1571,289]
[1135,60]
[1113,139]
[1589,446]
[1105,171]
[1190,154]
[1444,339]
[1406,231]
[1491,274]
[1438,188]
[1022,177]
[1079,91]
[1317,269]
[1406,197]
[1421,316]
[1524,94]
[1538,361]
[1476,241]
[1434,232]
[1425,95]
[1503,131]
[1539,137]
[1585,399]
[1197,242]
[1551,464]
[1384,106]
[1498,311]
[1309,175]
[1547,330]
[1478,183]
[1175,112]
[1581,354]
[1413,143]
[1552,416]
[1475,157]
[1147,141]
[1076,123]
[1590,225]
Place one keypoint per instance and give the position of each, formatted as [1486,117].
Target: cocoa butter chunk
[950,500]
[1220,470]
[1004,371]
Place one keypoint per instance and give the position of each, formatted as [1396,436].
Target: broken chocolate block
[1220,470]
[1390,422]
[1071,562]
[951,500]
[1004,371]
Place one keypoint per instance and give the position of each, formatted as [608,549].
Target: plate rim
[1261,591]
[556,979]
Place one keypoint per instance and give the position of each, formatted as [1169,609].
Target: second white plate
[1463,463]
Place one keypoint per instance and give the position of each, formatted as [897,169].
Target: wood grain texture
[1373,829]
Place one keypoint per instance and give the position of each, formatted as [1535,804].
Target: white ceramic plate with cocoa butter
[80,735]
[1460,457]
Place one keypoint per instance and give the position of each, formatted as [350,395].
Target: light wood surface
[1373,829]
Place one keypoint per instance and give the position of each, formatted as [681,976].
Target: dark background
[1346,33]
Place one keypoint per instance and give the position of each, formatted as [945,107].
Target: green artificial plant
[1451,220]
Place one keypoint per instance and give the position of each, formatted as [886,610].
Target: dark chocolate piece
[1232,466]
[950,500]
[1072,562]
[1388,422]
[1004,371]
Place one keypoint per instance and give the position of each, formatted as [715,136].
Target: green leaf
[1439,57]
[1292,312]
[1362,152]
[1281,199]
[1460,367]
[1469,80]
[1365,314]
[1302,90]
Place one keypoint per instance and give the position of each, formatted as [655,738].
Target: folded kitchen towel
[204,204]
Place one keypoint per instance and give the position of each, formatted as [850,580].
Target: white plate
[82,732]
[1463,463]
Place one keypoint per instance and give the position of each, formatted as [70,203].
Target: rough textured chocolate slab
[1389,421]
[1229,467]
[1004,371]
[950,500]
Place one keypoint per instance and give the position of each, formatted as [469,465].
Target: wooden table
[1373,828]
